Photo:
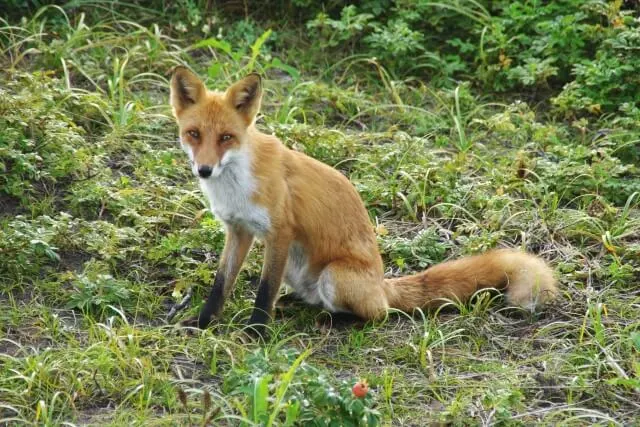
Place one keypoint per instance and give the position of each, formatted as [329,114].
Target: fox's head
[213,125]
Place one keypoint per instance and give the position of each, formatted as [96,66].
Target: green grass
[103,229]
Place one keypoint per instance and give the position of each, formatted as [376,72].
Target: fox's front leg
[275,260]
[236,246]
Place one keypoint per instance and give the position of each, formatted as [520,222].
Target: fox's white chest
[229,191]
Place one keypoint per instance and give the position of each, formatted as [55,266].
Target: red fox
[317,233]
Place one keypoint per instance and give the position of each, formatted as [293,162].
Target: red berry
[360,389]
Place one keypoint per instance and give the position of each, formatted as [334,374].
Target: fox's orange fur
[317,233]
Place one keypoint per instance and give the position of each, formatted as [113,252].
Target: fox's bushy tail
[526,280]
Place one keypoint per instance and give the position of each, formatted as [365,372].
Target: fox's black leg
[215,301]
[272,271]
[237,245]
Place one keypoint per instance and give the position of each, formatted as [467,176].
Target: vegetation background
[464,125]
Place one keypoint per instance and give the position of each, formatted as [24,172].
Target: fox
[317,234]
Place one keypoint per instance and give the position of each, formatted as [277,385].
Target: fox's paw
[191,322]
[288,300]
[255,331]
[196,322]
[326,321]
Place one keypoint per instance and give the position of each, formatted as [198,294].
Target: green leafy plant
[95,293]
[609,82]
[281,387]
[417,253]
[334,32]
[241,55]
[38,142]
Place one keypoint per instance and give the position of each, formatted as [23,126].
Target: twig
[179,307]
[95,381]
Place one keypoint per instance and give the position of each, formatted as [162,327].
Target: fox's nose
[204,171]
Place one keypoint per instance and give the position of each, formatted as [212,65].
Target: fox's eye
[193,134]
[225,137]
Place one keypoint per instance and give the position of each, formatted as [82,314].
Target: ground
[103,229]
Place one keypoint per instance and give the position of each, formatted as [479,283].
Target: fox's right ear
[186,89]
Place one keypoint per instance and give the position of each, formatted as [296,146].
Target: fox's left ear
[245,96]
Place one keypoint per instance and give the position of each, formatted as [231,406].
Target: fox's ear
[245,96]
[186,89]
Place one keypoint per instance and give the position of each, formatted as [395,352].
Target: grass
[103,229]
